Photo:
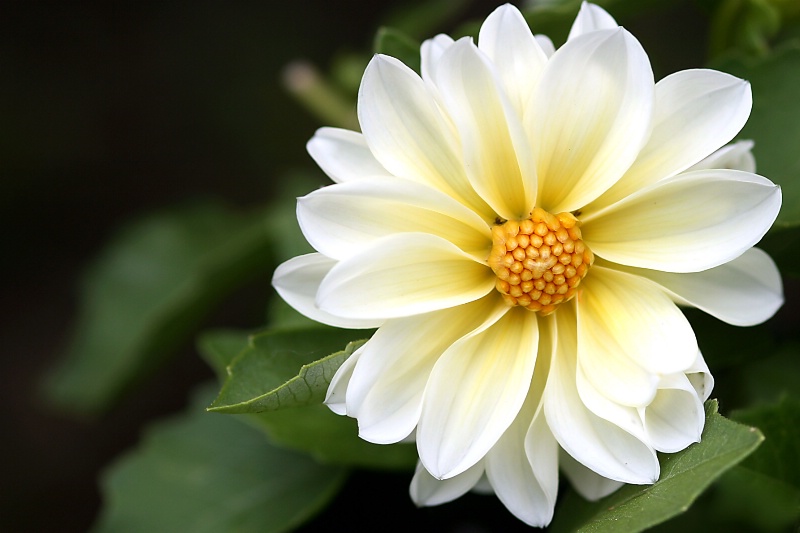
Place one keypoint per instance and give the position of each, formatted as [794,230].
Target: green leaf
[219,347]
[397,44]
[763,491]
[201,472]
[331,438]
[265,377]
[684,476]
[774,124]
[147,292]
[779,456]
[314,429]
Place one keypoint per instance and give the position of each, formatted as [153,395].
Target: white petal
[343,155]
[523,466]
[545,44]
[401,275]
[427,491]
[297,281]
[736,156]
[494,146]
[689,223]
[744,292]
[385,393]
[591,18]
[696,112]
[529,494]
[600,445]
[586,482]
[430,52]
[475,391]
[622,416]
[629,331]
[700,377]
[337,389]
[341,220]
[507,40]
[406,132]
[590,116]
[675,418]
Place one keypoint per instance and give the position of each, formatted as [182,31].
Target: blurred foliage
[148,292]
[204,473]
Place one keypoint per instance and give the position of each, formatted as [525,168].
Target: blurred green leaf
[775,122]
[743,25]
[201,472]
[392,42]
[285,368]
[423,18]
[314,429]
[147,292]
[684,476]
[763,491]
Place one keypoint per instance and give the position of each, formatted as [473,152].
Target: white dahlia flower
[521,224]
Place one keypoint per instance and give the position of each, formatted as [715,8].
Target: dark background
[110,110]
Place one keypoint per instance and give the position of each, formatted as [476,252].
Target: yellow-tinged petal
[696,112]
[341,220]
[689,223]
[589,118]
[385,392]
[402,275]
[475,391]
[629,331]
[598,444]
[495,149]
[744,292]
[407,133]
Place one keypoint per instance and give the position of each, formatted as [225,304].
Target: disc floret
[540,261]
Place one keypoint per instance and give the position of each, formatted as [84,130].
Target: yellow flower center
[539,262]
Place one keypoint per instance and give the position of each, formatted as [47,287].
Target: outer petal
[591,18]
[736,156]
[495,149]
[427,491]
[406,132]
[675,418]
[507,40]
[341,220]
[598,444]
[343,155]
[744,292]
[430,52]
[696,112]
[629,331]
[475,391]
[590,117]
[545,44]
[689,223]
[297,282]
[523,465]
[585,481]
[528,492]
[700,377]
[385,393]
[337,389]
[402,275]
